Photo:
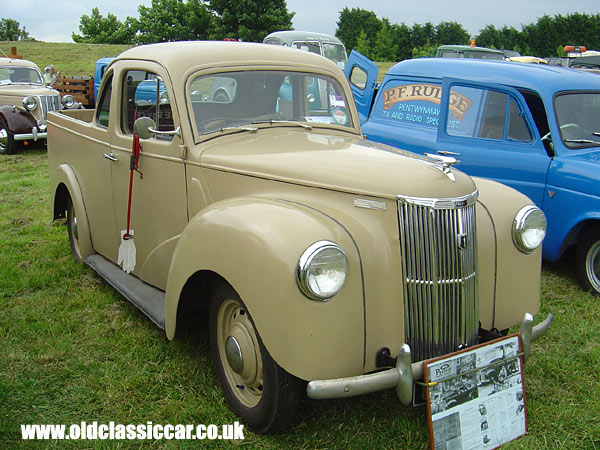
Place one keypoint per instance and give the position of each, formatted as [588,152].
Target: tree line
[381,40]
[178,20]
[360,29]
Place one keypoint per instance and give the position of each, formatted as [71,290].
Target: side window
[517,127]
[145,95]
[358,77]
[104,105]
[494,115]
[486,114]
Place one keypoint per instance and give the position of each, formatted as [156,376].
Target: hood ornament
[443,164]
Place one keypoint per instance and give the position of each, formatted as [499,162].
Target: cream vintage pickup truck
[330,266]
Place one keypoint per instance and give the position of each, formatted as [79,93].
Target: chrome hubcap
[234,354]
[592,265]
[74,227]
[238,345]
[3,138]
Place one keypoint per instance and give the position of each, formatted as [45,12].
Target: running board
[150,300]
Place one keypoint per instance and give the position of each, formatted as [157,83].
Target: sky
[55,21]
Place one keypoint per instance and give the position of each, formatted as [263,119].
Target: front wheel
[588,261]
[260,392]
[7,141]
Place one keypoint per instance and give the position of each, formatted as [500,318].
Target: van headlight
[29,103]
[529,228]
[322,270]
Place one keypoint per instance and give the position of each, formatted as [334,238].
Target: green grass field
[69,58]
[74,350]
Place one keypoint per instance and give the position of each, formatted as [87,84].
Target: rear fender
[67,186]
[255,245]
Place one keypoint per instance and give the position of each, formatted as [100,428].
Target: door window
[486,114]
[145,95]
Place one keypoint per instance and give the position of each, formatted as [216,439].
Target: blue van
[535,128]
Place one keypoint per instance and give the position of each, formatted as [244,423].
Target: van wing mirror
[145,128]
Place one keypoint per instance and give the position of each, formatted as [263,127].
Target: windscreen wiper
[291,122]
[582,141]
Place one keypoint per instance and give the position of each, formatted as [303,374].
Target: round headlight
[68,101]
[529,228]
[322,270]
[29,103]
[163,98]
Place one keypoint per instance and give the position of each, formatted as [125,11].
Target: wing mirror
[145,128]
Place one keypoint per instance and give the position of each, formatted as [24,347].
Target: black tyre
[73,231]
[7,141]
[260,392]
[588,261]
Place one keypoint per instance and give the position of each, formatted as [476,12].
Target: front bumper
[34,135]
[406,373]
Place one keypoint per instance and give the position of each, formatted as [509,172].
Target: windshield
[16,74]
[235,100]
[336,53]
[578,116]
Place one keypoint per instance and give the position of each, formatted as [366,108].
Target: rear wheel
[7,141]
[260,392]
[588,261]
[73,231]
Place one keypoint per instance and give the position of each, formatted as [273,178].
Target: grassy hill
[68,58]
[79,59]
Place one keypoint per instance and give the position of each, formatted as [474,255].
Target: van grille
[438,245]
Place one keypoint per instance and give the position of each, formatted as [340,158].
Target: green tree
[423,35]
[10,30]
[424,51]
[172,20]
[384,48]
[352,22]
[450,33]
[362,45]
[249,20]
[401,35]
[97,29]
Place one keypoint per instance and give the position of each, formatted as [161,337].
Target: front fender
[17,121]
[255,245]
[64,182]
[509,280]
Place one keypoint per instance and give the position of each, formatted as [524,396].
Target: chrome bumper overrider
[34,135]
[405,374]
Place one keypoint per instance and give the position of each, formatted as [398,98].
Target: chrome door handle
[110,156]
[447,153]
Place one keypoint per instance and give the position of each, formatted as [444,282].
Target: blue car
[534,128]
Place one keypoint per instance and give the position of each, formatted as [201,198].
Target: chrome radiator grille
[49,103]
[438,245]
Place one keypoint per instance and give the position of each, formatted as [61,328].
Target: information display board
[476,397]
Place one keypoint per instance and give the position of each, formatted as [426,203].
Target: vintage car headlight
[163,98]
[322,270]
[68,101]
[29,103]
[529,228]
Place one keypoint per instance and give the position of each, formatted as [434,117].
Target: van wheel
[260,392]
[588,261]
[73,231]
[7,141]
